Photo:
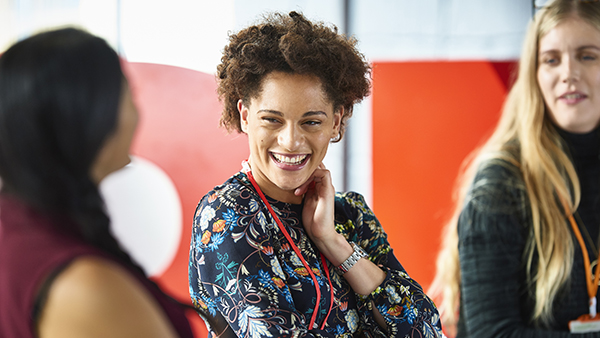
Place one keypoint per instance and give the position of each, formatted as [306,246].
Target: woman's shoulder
[496,198]
[235,186]
[227,200]
[351,205]
[346,196]
[351,200]
[498,169]
[98,293]
[497,181]
[236,181]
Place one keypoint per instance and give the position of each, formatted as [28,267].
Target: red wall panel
[179,131]
[427,117]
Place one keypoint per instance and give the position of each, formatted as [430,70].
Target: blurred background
[441,69]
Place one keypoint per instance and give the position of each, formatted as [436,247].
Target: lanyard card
[585,324]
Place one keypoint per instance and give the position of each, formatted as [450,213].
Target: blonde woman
[512,263]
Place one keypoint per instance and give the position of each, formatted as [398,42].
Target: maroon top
[32,248]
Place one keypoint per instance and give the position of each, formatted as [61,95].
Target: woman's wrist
[336,250]
[364,277]
[357,254]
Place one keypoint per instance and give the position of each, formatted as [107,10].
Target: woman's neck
[273,191]
[582,147]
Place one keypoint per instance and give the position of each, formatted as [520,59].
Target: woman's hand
[319,207]
[318,217]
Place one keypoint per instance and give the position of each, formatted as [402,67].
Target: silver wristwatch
[350,261]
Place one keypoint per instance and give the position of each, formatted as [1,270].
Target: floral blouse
[242,270]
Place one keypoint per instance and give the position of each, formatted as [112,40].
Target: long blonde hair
[526,138]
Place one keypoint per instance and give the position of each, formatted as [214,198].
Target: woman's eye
[588,57]
[270,119]
[312,123]
[550,61]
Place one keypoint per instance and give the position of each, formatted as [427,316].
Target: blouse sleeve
[234,275]
[492,232]
[407,310]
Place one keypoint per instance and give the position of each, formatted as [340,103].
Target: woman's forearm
[364,277]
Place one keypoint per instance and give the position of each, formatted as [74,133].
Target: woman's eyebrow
[278,113]
[313,113]
[270,111]
[580,48]
[588,47]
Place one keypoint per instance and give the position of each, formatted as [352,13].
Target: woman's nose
[570,70]
[290,138]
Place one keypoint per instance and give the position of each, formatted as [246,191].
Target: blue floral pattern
[243,271]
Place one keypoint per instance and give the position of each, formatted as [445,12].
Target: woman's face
[289,126]
[569,74]
[114,154]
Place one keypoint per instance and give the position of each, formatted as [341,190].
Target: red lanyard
[592,285]
[246,169]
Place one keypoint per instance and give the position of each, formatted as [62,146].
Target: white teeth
[572,96]
[294,160]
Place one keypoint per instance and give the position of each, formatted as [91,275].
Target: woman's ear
[243,110]
[337,122]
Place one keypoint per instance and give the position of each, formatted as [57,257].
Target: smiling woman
[266,243]
[516,256]
[569,74]
[289,127]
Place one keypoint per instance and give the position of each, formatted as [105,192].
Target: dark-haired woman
[275,251]
[66,121]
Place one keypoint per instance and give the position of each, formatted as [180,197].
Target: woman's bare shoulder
[95,297]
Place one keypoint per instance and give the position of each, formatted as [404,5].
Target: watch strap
[356,255]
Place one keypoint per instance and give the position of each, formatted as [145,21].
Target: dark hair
[291,44]
[59,101]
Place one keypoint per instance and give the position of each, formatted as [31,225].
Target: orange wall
[427,117]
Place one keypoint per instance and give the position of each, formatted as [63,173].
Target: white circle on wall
[146,214]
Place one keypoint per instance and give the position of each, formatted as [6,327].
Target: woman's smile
[569,75]
[289,126]
[290,162]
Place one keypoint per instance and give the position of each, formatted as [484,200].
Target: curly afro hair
[291,44]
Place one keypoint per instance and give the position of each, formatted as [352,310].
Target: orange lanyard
[248,172]
[592,284]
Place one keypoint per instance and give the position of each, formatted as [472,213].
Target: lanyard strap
[592,284]
[248,172]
